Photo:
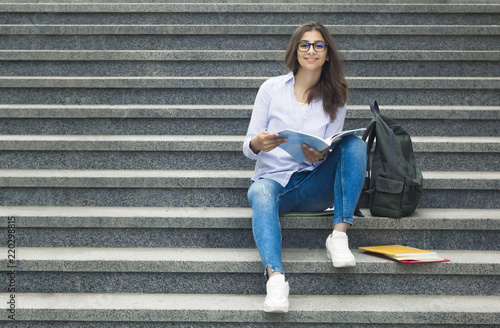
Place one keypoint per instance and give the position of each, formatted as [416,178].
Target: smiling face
[311,59]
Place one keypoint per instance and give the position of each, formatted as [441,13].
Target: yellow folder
[397,250]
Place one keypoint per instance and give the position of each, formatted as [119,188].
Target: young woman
[311,99]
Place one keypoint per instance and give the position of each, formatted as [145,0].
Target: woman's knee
[354,146]
[263,190]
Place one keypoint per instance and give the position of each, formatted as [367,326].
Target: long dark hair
[332,86]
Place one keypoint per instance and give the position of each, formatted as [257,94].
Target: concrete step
[198,178]
[237,271]
[241,7]
[210,227]
[242,55]
[443,2]
[168,152]
[224,188]
[208,143]
[236,63]
[242,37]
[244,29]
[240,63]
[245,13]
[238,218]
[226,119]
[239,310]
[227,82]
[446,91]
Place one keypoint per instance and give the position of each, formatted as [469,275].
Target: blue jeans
[337,181]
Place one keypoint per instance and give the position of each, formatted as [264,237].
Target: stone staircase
[121,165]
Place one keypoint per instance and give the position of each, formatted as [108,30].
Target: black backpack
[393,182]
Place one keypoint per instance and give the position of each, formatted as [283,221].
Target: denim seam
[342,218]
[342,180]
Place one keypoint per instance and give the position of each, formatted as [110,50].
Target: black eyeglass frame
[312,44]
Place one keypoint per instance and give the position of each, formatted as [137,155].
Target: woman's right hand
[266,141]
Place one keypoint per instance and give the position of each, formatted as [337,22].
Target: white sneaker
[337,249]
[277,295]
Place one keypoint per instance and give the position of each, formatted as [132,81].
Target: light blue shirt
[275,109]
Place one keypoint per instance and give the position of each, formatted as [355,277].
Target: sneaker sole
[344,264]
[275,309]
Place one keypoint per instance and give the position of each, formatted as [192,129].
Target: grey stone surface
[204,188]
[206,160]
[203,179]
[236,29]
[161,82]
[226,283]
[187,143]
[131,160]
[242,238]
[436,127]
[458,199]
[251,1]
[123,197]
[241,42]
[222,82]
[138,111]
[261,56]
[401,112]
[152,273]
[42,196]
[457,161]
[248,308]
[127,126]
[129,96]
[173,55]
[231,227]
[471,180]
[213,143]
[223,126]
[418,55]
[238,218]
[207,153]
[431,112]
[147,179]
[219,7]
[176,68]
[418,68]
[250,14]
[246,260]
[456,144]
[359,95]
[240,68]
[424,97]
[128,324]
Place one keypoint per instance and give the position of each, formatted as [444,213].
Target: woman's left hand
[313,155]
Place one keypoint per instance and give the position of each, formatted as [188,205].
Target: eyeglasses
[317,46]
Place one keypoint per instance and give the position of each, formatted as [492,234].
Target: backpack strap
[369,137]
[374,107]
